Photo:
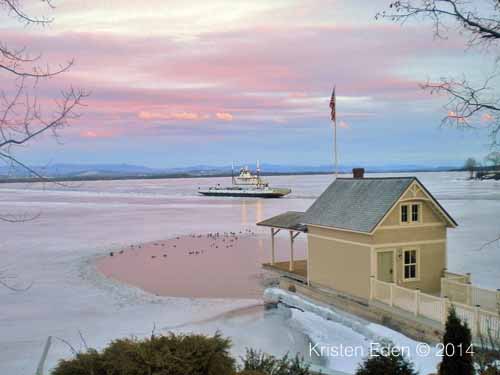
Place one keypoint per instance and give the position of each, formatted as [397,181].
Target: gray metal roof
[356,204]
[291,220]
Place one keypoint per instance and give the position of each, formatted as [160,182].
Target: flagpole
[333,106]
[335,147]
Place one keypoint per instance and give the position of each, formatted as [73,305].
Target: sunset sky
[179,83]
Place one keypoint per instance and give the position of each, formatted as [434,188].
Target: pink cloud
[189,116]
[224,116]
[455,116]
[344,125]
[96,133]
[297,95]
[245,75]
[487,117]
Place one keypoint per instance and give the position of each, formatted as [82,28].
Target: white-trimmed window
[415,213]
[404,213]
[411,213]
[410,264]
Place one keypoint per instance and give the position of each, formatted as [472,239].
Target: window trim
[417,264]
[410,213]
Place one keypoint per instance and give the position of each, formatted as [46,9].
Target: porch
[298,273]
[289,221]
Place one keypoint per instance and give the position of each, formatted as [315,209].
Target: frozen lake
[77,223]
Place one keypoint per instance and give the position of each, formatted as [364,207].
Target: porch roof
[291,220]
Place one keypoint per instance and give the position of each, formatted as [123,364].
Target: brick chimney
[358,172]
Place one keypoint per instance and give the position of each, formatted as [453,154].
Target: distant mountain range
[122,171]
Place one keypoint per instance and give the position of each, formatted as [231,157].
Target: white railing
[432,307]
[481,322]
[487,299]
[382,292]
[461,278]
[468,294]
[466,314]
[455,291]
[489,325]
[404,298]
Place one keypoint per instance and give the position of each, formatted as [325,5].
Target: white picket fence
[481,322]
[461,278]
[432,307]
[468,294]
[404,298]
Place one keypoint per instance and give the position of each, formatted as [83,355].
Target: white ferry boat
[246,184]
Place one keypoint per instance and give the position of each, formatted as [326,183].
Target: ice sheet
[56,253]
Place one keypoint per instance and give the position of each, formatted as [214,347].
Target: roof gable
[356,204]
[418,190]
[361,205]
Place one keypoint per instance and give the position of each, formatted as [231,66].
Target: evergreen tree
[457,340]
[386,362]
[255,363]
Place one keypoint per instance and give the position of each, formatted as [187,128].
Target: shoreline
[167,176]
[216,265]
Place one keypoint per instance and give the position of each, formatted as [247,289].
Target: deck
[299,272]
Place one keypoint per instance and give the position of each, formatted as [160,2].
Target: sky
[181,83]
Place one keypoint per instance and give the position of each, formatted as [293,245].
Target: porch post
[372,280]
[417,302]
[273,247]
[477,322]
[308,273]
[468,293]
[445,310]
[291,251]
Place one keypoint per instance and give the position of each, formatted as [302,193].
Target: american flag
[333,105]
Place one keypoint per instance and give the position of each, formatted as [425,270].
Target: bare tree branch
[480,26]
[23,116]
[468,106]
[18,129]
[68,344]
[36,71]
[490,242]
[471,104]
[71,99]
[14,7]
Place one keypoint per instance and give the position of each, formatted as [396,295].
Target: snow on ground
[344,339]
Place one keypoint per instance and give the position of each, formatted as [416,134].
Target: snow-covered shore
[334,333]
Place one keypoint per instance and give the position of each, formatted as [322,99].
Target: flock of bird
[216,239]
